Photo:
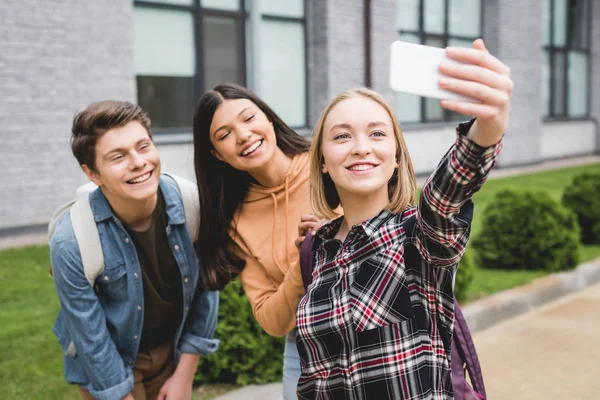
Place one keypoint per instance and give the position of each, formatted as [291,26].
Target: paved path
[550,353]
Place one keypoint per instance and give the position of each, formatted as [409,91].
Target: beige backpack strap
[88,239]
[191,204]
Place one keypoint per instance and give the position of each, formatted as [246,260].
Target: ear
[92,175]
[217,155]
[324,169]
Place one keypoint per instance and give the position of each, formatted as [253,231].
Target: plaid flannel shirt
[377,320]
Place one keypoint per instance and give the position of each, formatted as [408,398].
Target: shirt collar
[369,227]
[173,203]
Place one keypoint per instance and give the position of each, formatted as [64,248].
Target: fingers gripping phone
[414,69]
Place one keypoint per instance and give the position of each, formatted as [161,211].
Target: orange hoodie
[267,225]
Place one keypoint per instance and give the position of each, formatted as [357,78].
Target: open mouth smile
[361,167]
[252,148]
[141,178]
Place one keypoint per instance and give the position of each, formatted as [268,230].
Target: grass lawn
[553,182]
[30,359]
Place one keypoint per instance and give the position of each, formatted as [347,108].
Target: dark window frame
[241,17]
[198,14]
[552,50]
[444,37]
[302,21]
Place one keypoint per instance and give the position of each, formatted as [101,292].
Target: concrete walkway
[550,353]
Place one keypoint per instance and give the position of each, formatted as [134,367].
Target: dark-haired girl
[252,172]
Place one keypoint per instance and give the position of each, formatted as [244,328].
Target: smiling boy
[138,332]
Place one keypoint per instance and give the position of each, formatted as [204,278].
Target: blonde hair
[402,186]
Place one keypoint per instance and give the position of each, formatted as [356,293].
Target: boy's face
[127,164]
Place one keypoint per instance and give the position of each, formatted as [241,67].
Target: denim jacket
[99,327]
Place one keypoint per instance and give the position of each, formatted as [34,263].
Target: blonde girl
[376,321]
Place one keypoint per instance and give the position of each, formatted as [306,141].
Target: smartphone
[414,69]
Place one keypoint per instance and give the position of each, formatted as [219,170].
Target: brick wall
[514,29]
[55,58]
[336,44]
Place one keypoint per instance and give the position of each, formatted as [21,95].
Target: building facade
[57,57]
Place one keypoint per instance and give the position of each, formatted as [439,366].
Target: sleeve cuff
[192,344]
[477,159]
[116,392]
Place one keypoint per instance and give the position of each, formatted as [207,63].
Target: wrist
[484,136]
[186,369]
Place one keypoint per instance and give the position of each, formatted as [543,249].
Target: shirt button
[139,308]
[186,280]
[135,275]
[176,247]
[135,337]
[126,240]
[187,309]
[105,277]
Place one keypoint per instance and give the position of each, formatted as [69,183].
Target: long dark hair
[222,188]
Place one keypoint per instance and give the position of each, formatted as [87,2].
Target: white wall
[178,159]
[569,138]
[426,147]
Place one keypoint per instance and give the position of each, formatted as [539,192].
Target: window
[438,23]
[282,82]
[565,75]
[182,48]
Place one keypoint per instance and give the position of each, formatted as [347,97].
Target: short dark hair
[98,118]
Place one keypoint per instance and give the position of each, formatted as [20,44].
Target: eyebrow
[376,123]
[225,126]
[372,124]
[340,126]
[123,150]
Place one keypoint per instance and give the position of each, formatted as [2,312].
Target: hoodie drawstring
[287,201]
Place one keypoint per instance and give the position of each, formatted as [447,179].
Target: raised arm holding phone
[377,319]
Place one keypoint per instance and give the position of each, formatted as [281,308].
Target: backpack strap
[307,256]
[88,239]
[191,205]
[465,345]
[86,231]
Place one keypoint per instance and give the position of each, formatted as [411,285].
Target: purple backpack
[464,356]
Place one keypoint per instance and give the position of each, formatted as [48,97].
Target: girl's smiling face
[359,149]
[242,135]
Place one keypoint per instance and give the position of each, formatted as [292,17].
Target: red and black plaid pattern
[376,321]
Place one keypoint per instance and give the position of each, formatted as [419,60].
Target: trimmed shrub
[582,196]
[527,230]
[464,276]
[246,354]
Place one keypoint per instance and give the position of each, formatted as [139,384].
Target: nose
[361,146]
[243,135]
[137,161]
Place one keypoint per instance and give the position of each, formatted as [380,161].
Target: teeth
[361,167]
[252,148]
[141,178]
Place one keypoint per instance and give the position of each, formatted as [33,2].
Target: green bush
[529,231]
[246,353]
[464,276]
[582,196]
